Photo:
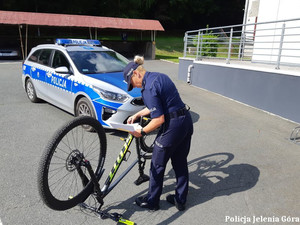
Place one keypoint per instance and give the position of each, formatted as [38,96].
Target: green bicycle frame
[108,185]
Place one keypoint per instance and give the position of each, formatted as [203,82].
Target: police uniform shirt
[160,94]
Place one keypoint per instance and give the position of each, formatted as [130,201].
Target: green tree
[173,14]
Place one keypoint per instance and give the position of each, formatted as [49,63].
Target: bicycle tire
[59,182]
[147,142]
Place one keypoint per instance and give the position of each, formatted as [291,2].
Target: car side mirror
[62,70]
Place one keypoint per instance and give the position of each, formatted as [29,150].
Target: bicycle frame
[109,184]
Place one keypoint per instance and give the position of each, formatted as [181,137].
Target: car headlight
[112,96]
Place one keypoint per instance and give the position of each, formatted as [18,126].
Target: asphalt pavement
[243,167]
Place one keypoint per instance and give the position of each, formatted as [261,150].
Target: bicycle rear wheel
[63,180]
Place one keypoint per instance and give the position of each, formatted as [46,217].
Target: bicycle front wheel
[147,141]
[63,180]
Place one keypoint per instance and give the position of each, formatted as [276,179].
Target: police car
[83,78]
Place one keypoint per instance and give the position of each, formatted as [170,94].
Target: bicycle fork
[101,193]
[94,180]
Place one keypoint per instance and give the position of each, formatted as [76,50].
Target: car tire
[30,91]
[85,108]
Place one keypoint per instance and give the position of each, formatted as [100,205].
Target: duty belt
[179,112]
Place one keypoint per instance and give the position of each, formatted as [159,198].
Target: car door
[39,62]
[60,83]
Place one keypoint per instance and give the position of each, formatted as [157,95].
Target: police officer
[168,112]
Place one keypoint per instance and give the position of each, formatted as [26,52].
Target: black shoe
[171,199]
[143,203]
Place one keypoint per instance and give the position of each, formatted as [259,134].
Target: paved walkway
[243,167]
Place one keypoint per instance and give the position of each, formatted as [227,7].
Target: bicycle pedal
[124,221]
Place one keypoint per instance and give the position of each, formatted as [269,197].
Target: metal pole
[229,47]
[280,46]
[185,44]
[242,43]
[201,43]
[246,12]
[197,51]
[244,26]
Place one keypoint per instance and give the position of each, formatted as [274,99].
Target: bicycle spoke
[83,141]
[63,173]
[59,181]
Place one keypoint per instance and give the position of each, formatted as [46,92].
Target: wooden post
[21,41]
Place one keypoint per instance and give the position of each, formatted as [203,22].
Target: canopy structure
[66,20]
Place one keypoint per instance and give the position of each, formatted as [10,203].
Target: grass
[169,47]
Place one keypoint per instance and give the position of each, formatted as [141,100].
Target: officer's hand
[131,119]
[136,133]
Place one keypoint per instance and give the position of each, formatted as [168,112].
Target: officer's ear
[137,73]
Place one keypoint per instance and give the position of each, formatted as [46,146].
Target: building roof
[65,20]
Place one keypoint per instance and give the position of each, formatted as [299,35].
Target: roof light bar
[61,41]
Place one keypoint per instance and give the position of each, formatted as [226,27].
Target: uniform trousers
[172,142]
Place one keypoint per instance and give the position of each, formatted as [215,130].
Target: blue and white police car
[81,77]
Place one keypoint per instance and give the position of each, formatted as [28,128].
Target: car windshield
[92,62]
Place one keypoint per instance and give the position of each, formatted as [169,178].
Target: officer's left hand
[136,133]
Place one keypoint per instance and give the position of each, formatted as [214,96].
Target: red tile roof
[49,19]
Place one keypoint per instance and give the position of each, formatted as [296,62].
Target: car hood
[117,80]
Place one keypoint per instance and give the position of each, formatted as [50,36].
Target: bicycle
[73,164]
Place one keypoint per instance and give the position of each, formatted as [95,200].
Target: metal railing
[276,42]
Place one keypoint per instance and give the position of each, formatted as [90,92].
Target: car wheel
[30,91]
[84,108]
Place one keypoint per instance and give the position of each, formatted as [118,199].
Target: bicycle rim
[63,180]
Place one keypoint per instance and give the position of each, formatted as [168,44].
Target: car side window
[34,57]
[44,57]
[59,60]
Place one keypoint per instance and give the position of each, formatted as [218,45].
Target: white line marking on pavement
[0,222]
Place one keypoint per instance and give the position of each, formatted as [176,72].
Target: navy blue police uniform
[174,137]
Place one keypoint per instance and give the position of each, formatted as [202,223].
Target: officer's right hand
[131,119]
